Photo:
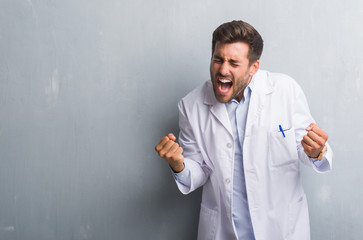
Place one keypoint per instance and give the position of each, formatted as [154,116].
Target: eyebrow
[218,57]
[234,61]
[231,60]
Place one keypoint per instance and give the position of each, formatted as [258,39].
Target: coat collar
[262,83]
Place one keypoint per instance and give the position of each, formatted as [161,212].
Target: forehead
[236,50]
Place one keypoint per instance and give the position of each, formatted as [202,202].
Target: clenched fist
[314,141]
[168,149]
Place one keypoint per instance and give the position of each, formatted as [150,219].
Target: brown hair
[239,31]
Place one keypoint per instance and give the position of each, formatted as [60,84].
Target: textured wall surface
[88,87]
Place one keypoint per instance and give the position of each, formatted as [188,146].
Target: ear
[254,67]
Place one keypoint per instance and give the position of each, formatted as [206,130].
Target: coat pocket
[207,223]
[282,149]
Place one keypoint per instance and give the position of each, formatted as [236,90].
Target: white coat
[277,202]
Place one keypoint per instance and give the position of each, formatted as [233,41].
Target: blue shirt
[237,112]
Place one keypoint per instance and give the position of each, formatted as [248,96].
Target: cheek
[213,68]
[243,74]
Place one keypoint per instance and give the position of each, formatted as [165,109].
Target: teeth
[225,80]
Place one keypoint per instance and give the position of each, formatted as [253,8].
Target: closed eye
[234,63]
[217,60]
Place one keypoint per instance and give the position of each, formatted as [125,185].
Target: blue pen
[283,134]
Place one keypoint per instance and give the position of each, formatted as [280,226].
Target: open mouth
[224,85]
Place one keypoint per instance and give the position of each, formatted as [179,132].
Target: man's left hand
[314,141]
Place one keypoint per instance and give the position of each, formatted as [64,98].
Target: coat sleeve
[193,158]
[302,119]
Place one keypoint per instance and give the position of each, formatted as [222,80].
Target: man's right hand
[168,149]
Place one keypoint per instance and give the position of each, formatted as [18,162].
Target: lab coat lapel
[218,110]
[260,95]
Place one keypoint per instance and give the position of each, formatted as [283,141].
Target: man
[242,136]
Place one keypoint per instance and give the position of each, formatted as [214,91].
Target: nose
[223,69]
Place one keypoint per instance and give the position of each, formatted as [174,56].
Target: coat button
[227,180]
[229,145]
